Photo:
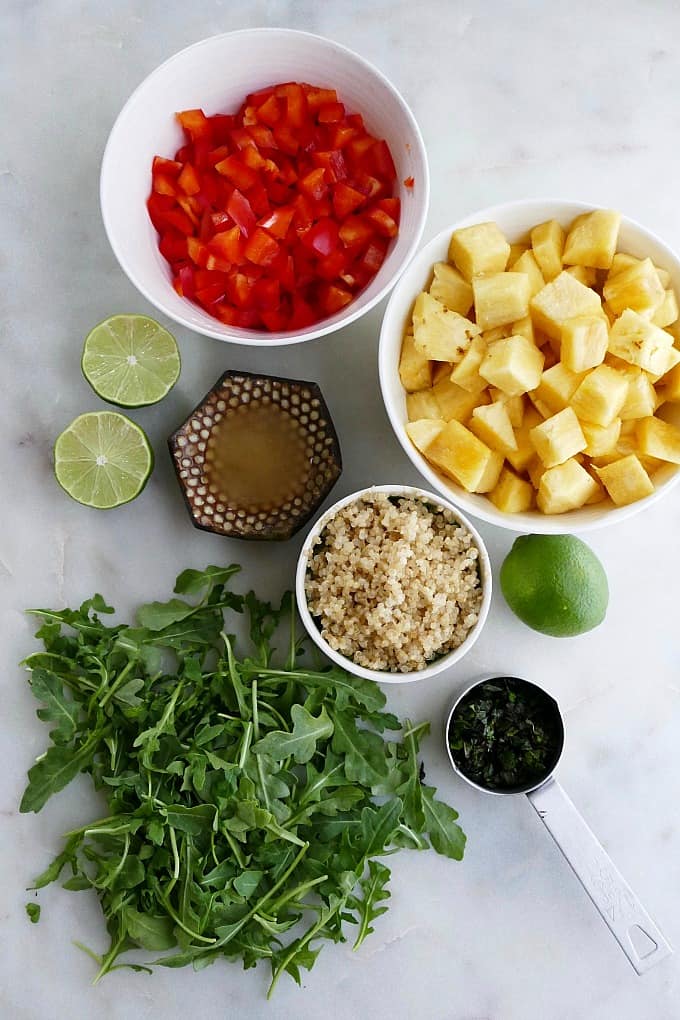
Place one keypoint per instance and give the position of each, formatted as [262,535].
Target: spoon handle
[626,918]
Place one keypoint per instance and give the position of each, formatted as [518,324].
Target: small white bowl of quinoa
[393,583]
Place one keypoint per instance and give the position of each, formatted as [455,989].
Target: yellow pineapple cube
[513,405]
[564,298]
[528,265]
[525,452]
[456,403]
[415,370]
[558,438]
[556,387]
[600,396]
[451,289]
[634,339]
[423,432]
[512,495]
[524,327]
[584,342]
[438,333]
[547,243]
[540,405]
[500,298]
[667,312]
[638,288]
[490,336]
[536,469]
[668,387]
[660,439]
[440,370]
[626,480]
[641,399]
[620,262]
[481,248]
[513,365]
[601,439]
[516,252]
[422,404]
[565,487]
[466,373]
[491,423]
[592,239]
[584,275]
[465,458]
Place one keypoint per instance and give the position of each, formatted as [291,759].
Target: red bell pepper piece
[195,125]
[188,180]
[241,212]
[355,232]
[383,223]
[322,238]
[270,112]
[163,184]
[314,184]
[316,98]
[278,222]
[240,175]
[333,163]
[261,248]
[346,200]
[173,245]
[228,245]
[331,113]
[169,167]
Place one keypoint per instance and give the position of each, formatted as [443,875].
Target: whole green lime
[555,584]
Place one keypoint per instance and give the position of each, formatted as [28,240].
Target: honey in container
[257,456]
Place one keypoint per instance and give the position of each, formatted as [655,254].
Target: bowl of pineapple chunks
[530,365]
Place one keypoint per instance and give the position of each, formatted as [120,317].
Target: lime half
[130,360]
[102,459]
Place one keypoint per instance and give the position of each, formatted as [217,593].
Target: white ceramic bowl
[373,674]
[514,219]
[216,74]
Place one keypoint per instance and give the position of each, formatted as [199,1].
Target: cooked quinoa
[393,583]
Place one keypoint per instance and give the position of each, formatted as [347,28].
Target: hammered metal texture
[302,401]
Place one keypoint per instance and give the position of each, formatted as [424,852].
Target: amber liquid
[256,457]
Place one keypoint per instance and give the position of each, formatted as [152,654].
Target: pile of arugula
[247,802]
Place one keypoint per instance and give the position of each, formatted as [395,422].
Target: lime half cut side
[102,459]
[130,360]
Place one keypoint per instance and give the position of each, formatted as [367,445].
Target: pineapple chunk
[466,373]
[525,452]
[513,365]
[600,396]
[491,424]
[563,299]
[498,333]
[601,440]
[620,262]
[513,405]
[584,342]
[667,312]
[481,248]
[451,289]
[584,275]
[440,370]
[641,399]
[565,487]
[500,298]
[524,327]
[536,469]
[592,239]
[547,242]
[639,342]
[660,439]
[528,265]
[423,432]
[626,480]
[669,386]
[558,438]
[465,458]
[438,333]
[637,287]
[556,387]
[422,404]
[456,403]
[415,370]
[512,495]
[516,252]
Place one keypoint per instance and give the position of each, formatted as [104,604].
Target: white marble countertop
[515,99]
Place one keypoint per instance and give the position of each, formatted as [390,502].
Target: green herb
[505,734]
[33,911]
[247,795]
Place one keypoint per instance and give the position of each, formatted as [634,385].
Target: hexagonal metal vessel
[302,401]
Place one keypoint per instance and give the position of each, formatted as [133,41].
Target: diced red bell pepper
[331,113]
[240,210]
[333,163]
[316,98]
[382,162]
[228,245]
[296,103]
[346,200]
[210,295]
[188,180]
[355,232]
[164,185]
[197,251]
[261,136]
[267,294]
[303,314]
[173,245]
[322,238]
[261,248]
[168,167]
[186,281]
[175,218]
[240,175]
[340,135]
[270,112]
[188,206]
[278,222]
[241,137]
[220,126]
[314,184]
[392,206]
[240,290]
[286,138]
[374,256]
[383,223]
[259,200]
[332,266]
[334,298]
[215,263]
[195,124]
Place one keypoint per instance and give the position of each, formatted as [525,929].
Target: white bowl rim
[556,524]
[439,665]
[325,326]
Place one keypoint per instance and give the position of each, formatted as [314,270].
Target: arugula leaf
[240,785]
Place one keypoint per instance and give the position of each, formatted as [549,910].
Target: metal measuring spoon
[624,915]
